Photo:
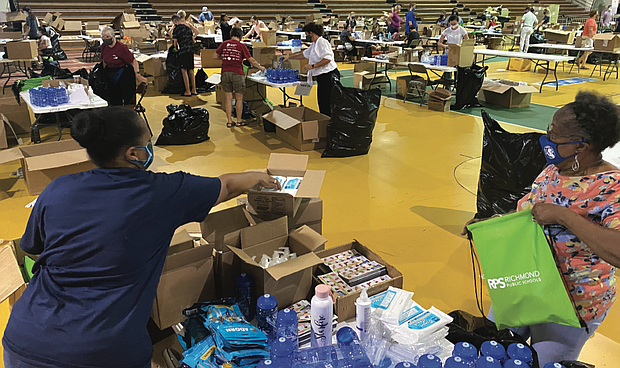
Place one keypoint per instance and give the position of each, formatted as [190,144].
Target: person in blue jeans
[102,237]
[410,19]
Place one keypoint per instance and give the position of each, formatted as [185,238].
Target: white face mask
[455,26]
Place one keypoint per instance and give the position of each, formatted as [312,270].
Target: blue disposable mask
[550,149]
[144,163]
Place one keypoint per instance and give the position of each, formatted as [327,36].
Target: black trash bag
[202,86]
[184,125]
[510,163]
[83,73]
[53,69]
[246,113]
[476,330]
[595,58]
[98,80]
[354,113]
[536,38]
[468,83]
[175,78]
[57,51]
[575,364]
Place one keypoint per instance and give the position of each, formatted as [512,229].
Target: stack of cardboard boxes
[363,74]
[439,100]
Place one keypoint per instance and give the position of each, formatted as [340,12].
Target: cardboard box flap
[12,278]
[310,187]
[604,36]
[294,265]
[287,164]
[310,238]
[218,226]
[187,257]
[310,129]
[57,160]
[263,232]
[9,155]
[281,119]
[525,89]
[244,256]
[497,88]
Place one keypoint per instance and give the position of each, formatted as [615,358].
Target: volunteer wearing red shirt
[232,53]
[121,68]
[589,30]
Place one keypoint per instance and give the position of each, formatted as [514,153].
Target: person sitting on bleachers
[206,15]
[442,20]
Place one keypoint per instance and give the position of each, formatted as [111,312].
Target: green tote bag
[523,280]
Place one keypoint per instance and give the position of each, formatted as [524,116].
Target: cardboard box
[288,27]
[17,16]
[301,127]
[219,95]
[209,27]
[439,100]
[160,82]
[402,84]
[136,33]
[290,281]
[91,26]
[22,50]
[364,66]
[461,55]
[560,36]
[509,28]
[126,19]
[273,25]
[3,141]
[42,163]
[58,23]
[495,43]
[344,307]
[73,25]
[285,204]
[187,278]
[310,213]
[507,96]
[607,42]
[396,57]
[268,37]
[264,55]
[362,80]
[207,60]
[254,92]
[579,41]
[19,115]
[155,66]
[519,65]
[13,281]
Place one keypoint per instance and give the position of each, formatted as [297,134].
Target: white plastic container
[362,314]
[321,314]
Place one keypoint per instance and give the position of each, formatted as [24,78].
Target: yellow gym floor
[407,199]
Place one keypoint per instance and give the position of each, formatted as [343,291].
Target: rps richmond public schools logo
[514,280]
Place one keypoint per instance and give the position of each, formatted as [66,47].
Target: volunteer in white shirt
[527,28]
[454,34]
[257,25]
[321,65]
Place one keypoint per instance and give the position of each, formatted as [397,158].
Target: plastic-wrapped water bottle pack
[282,75]
[48,96]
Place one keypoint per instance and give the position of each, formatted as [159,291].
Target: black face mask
[108,41]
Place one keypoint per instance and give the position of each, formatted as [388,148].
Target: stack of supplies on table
[350,271]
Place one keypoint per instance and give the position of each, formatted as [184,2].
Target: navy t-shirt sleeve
[196,195]
[33,238]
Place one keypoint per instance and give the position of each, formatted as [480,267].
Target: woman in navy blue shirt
[103,236]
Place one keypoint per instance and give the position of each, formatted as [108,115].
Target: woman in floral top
[578,196]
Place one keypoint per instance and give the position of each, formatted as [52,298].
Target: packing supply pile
[279,256]
[349,271]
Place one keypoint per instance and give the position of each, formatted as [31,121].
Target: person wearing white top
[256,27]
[321,65]
[527,28]
[454,34]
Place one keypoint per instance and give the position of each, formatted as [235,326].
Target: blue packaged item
[554,365]
[515,363]
[520,352]
[266,310]
[466,351]
[456,362]
[244,295]
[287,326]
[353,353]
[384,363]
[200,354]
[493,349]
[267,363]
[487,362]
[405,365]
[429,361]
[323,354]
[282,352]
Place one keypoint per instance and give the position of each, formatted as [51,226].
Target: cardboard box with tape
[506,93]
[301,127]
[461,55]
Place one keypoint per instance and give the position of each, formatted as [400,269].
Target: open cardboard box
[563,37]
[285,204]
[461,55]
[310,213]
[345,305]
[268,37]
[506,95]
[44,162]
[14,279]
[56,82]
[607,42]
[207,60]
[289,281]
[301,127]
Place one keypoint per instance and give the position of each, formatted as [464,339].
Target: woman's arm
[295,56]
[603,241]
[233,185]
[321,63]
[136,68]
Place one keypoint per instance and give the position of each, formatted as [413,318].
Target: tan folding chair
[420,79]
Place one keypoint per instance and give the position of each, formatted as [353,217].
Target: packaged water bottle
[244,295]
[267,363]
[493,349]
[466,351]
[429,361]
[514,363]
[286,326]
[266,310]
[384,363]
[321,315]
[487,362]
[352,351]
[456,362]
[554,365]
[282,352]
[362,314]
[405,365]
[325,354]
[520,352]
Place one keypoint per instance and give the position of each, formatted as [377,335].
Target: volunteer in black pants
[121,69]
[321,65]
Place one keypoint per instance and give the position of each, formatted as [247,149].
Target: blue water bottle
[266,310]
[282,352]
[520,352]
[429,361]
[244,295]
[493,349]
[514,363]
[456,362]
[405,365]
[286,326]
[554,365]
[323,354]
[352,351]
[267,363]
[487,362]
[384,363]
[465,351]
